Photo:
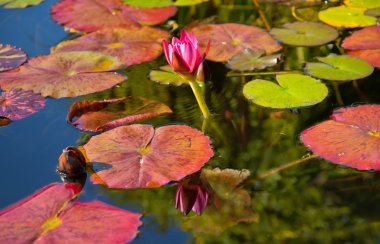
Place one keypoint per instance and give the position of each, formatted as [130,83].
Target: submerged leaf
[139,156]
[351,138]
[19,3]
[66,74]
[251,60]
[103,115]
[167,76]
[11,57]
[294,90]
[348,17]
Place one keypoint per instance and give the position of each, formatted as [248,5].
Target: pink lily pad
[11,57]
[101,14]
[142,157]
[230,39]
[18,104]
[66,74]
[351,138]
[131,46]
[371,56]
[50,216]
[104,115]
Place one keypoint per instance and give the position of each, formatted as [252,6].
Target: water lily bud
[191,196]
[71,162]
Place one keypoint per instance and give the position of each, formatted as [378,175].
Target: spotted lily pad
[351,138]
[305,34]
[292,91]
[66,74]
[19,3]
[131,46]
[339,68]
[50,216]
[167,76]
[363,3]
[162,3]
[11,57]
[251,60]
[139,156]
[107,114]
[348,17]
[230,39]
[18,104]
[101,14]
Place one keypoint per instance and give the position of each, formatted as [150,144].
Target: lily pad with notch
[292,91]
[11,57]
[167,76]
[251,60]
[348,17]
[339,68]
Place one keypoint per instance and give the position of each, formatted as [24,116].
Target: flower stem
[262,15]
[337,94]
[199,97]
[233,74]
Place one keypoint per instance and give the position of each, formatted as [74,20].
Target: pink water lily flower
[184,56]
[191,197]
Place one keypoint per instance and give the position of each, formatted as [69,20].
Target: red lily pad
[371,56]
[141,156]
[11,57]
[18,104]
[230,39]
[131,46]
[66,74]
[351,138]
[104,115]
[92,15]
[49,216]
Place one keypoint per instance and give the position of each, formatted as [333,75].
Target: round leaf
[18,104]
[19,3]
[167,76]
[66,74]
[229,39]
[251,60]
[351,138]
[363,3]
[131,46]
[294,90]
[305,34]
[348,17]
[339,68]
[139,156]
[11,57]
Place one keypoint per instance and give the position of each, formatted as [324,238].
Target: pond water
[314,201]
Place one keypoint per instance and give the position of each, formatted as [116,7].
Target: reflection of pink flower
[183,54]
[191,197]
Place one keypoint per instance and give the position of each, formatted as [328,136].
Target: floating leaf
[251,60]
[339,68]
[131,46]
[362,3]
[140,156]
[162,3]
[229,39]
[351,138]
[167,76]
[371,56]
[18,104]
[106,14]
[66,74]
[49,217]
[19,3]
[294,90]
[348,17]
[107,114]
[11,57]
[305,34]
[373,12]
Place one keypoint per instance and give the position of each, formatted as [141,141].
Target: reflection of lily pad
[294,90]
[167,76]
[11,57]
[351,138]
[131,46]
[363,3]
[162,3]
[339,68]
[141,156]
[107,114]
[229,39]
[348,17]
[251,60]
[18,104]
[305,34]
[50,216]
[19,3]
[66,74]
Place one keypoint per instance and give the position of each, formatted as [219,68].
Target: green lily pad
[363,3]
[293,91]
[251,60]
[373,12]
[19,3]
[305,34]
[348,17]
[167,76]
[339,68]
[162,3]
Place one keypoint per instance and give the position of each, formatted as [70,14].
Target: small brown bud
[71,162]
